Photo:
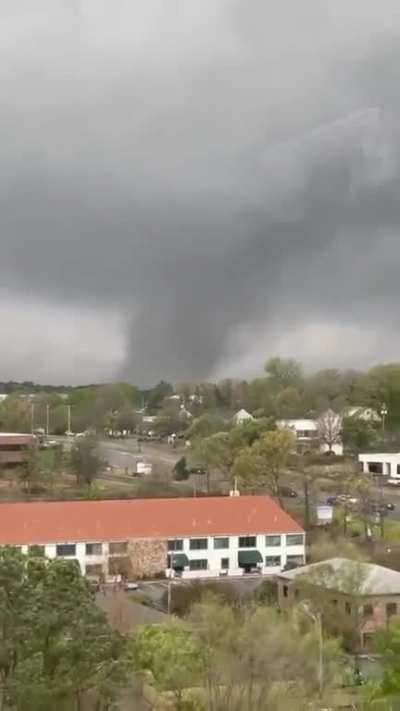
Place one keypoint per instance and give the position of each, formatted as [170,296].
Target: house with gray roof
[363,595]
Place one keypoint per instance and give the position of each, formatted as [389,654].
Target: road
[123,454]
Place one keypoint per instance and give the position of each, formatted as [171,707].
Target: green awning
[179,560]
[249,558]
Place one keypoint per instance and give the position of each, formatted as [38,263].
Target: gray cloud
[221,176]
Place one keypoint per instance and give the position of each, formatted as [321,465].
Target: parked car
[130,585]
[393,482]
[287,491]
[383,506]
[332,500]
[347,499]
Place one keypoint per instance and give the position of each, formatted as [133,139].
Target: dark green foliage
[181,472]
[56,648]
[84,461]
[184,596]
[357,434]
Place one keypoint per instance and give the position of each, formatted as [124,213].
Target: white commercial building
[387,464]
[187,537]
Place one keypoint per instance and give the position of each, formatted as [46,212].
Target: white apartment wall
[212,555]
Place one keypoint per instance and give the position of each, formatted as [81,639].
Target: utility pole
[47,419]
[32,417]
[68,418]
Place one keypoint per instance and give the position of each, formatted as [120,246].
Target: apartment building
[187,537]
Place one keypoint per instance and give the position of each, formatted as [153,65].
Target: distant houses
[323,434]
[241,417]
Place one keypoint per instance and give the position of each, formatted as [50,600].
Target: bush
[184,596]
[267,593]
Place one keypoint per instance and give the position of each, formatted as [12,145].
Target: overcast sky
[190,186]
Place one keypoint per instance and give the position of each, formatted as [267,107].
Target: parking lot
[155,589]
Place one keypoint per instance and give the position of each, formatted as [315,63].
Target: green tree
[157,395]
[56,648]
[261,466]
[255,659]
[15,414]
[181,471]
[283,372]
[206,425]
[246,434]
[31,473]
[169,651]
[84,461]
[358,435]
[214,453]
[387,644]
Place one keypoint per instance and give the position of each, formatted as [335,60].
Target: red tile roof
[62,521]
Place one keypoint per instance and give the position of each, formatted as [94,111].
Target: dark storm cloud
[223,175]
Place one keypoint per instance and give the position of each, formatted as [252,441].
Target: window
[273,561]
[95,571]
[221,543]
[198,544]
[375,467]
[285,591]
[247,541]
[175,544]
[391,609]
[201,564]
[94,548]
[66,549]
[36,550]
[367,610]
[118,548]
[293,561]
[272,541]
[120,565]
[224,563]
[347,607]
[295,539]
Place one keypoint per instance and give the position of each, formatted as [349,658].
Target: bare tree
[329,426]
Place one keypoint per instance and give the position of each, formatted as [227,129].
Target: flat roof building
[15,447]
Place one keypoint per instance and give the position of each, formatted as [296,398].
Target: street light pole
[68,418]
[47,419]
[384,412]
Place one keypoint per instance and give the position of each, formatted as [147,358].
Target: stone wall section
[148,556]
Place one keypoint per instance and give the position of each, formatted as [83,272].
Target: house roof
[243,415]
[349,576]
[63,521]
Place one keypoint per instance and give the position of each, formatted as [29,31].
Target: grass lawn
[47,458]
[355,527]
